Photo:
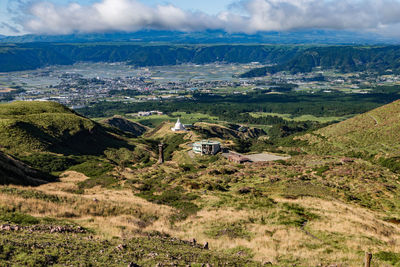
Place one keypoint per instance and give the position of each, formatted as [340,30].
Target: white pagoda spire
[178,126]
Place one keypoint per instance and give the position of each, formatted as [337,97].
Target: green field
[290,117]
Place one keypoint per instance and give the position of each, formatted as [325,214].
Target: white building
[178,126]
[207,147]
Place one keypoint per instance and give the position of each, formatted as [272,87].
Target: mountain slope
[343,58]
[123,124]
[374,133]
[15,172]
[35,55]
[51,127]
[208,130]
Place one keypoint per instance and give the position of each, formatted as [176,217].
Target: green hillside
[373,133]
[51,127]
[126,125]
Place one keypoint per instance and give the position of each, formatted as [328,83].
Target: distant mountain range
[293,58]
[15,57]
[215,36]
[344,58]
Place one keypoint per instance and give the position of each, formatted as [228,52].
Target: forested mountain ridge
[36,55]
[16,57]
[344,58]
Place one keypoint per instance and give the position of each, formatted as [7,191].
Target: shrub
[26,194]
[231,230]
[11,216]
[49,162]
[320,170]
[93,168]
[388,256]
[174,197]
[294,214]
[392,164]
[172,145]
[105,181]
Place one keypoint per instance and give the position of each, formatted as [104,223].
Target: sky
[245,16]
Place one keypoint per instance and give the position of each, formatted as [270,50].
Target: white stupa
[178,126]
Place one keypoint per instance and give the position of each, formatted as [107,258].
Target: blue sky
[208,6]
[248,16]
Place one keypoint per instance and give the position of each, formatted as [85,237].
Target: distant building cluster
[149,113]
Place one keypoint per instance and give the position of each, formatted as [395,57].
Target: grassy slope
[29,246]
[375,132]
[310,210]
[51,127]
[262,210]
[126,125]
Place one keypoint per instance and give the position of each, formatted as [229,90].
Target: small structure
[178,126]
[207,147]
[160,153]
[237,158]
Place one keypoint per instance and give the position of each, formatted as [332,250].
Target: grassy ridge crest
[51,127]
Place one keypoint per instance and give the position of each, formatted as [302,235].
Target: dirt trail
[376,121]
[303,228]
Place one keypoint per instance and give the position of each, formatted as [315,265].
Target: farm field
[290,117]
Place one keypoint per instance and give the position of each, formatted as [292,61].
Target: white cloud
[247,16]
[113,15]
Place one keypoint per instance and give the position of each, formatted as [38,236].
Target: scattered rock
[43,228]
[121,247]
[6,227]
[153,254]
[56,229]
[95,200]
[245,190]
[241,253]
[346,160]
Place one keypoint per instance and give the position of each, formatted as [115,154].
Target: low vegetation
[327,204]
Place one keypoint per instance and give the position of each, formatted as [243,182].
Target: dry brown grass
[344,231]
[109,212]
